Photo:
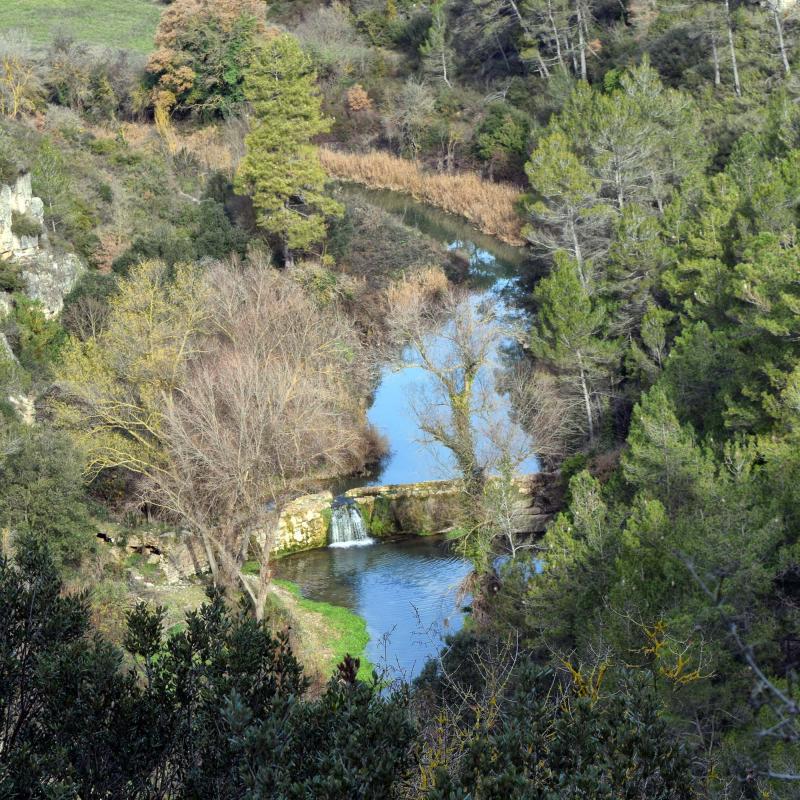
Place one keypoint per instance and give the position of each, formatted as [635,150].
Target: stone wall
[405,509]
[431,506]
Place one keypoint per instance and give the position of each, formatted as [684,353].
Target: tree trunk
[586,399]
[734,62]
[578,255]
[556,37]
[715,58]
[781,42]
[581,39]
[288,258]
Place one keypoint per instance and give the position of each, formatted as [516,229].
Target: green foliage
[281,171]
[38,339]
[502,139]
[203,52]
[25,225]
[555,741]
[10,276]
[41,494]
[202,706]
[199,231]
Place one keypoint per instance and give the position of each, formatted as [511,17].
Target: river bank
[490,206]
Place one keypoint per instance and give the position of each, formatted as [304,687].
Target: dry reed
[489,206]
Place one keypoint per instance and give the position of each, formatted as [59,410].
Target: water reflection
[405,590]
[494,268]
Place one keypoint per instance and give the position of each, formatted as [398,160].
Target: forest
[201,298]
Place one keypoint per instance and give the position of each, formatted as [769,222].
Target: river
[407,590]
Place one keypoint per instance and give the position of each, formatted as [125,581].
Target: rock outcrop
[48,276]
[17,200]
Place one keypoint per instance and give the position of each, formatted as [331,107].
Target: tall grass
[489,206]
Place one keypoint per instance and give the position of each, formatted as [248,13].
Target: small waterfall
[347,525]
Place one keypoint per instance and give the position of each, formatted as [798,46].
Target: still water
[405,590]
[493,270]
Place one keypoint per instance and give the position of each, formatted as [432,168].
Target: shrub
[9,168]
[201,231]
[202,52]
[38,339]
[25,225]
[204,705]
[502,140]
[10,277]
[41,494]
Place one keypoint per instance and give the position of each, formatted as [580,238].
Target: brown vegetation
[489,206]
[271,403]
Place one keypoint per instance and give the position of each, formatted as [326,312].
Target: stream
[406,590]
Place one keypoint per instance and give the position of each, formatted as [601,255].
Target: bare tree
[455,341]
[267,410]
[552,417]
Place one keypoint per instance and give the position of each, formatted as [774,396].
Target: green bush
[41,494]
[204,705]
[38,339]
[200,231]
[24,225]
[10,277]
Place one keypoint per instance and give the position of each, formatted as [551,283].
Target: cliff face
[48,276]
[18,201]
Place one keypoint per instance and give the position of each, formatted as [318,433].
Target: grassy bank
[323,633]
[487,205]
[128,25]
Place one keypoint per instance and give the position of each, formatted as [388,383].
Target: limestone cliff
[48,276]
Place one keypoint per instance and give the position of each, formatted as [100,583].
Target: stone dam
[405,509]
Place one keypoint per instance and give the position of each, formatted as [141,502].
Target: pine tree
[281,170]
[566,210]
[435,51]
[567,334]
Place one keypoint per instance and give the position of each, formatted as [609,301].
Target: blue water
[405,590]
[493,269]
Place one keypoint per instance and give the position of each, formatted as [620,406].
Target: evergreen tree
[281,170]
[568,335]
[436,53]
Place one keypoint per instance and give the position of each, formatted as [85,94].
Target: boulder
[49,278]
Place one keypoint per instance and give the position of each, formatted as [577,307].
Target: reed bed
[491,207]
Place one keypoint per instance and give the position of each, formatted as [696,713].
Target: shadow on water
[405,590]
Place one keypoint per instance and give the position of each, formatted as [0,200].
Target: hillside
[400,400]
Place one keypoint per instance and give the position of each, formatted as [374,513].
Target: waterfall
[347,525]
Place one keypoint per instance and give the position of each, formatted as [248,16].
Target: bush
[201,231]
[10,277]
[218,707]
[25,225]
[38,339]
[202,52]
[9,168]
[41,494]
[502,140]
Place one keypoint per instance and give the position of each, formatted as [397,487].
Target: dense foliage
[215,711]
[649,154]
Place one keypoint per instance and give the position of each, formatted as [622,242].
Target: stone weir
[404,509]
[411,508]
